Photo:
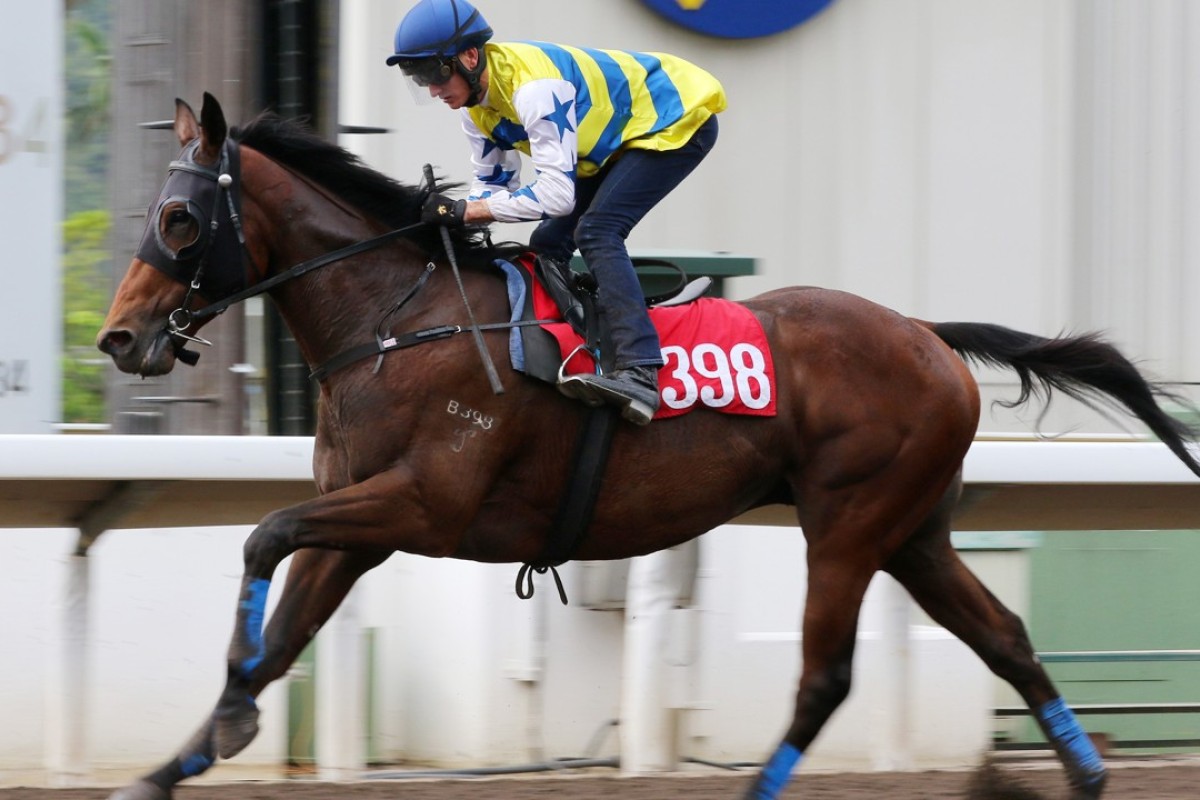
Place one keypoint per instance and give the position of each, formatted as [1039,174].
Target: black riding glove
[441,210]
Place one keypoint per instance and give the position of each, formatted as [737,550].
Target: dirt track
[1173,780]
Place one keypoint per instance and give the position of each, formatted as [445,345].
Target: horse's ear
[212,129]
[186,127]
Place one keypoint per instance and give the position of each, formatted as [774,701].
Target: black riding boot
[634,390]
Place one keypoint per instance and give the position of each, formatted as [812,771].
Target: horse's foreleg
[935,576]
[342,534]
[835,593]
[371,519]
[317,582]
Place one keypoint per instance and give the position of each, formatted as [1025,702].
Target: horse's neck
[337,306]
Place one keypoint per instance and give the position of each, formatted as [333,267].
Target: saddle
[574,297]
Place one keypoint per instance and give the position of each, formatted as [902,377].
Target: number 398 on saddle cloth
[715,351]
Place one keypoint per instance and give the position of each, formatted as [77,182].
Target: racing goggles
[431,71]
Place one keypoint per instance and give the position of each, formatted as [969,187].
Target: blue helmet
[439,29]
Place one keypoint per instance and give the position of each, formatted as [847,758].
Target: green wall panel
[1121,596]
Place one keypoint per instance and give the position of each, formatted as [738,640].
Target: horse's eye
[178,216]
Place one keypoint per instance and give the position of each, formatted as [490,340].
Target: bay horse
[875,412]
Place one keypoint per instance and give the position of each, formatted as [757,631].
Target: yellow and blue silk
[621,100]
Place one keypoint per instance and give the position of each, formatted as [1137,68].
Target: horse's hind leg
[932,572]
[837,582]
[317,582]
[859,498]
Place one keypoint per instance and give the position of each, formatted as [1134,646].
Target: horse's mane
[386,199]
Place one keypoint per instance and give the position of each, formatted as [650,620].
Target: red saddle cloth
[716,356]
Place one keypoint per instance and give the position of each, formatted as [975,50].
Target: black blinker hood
[217,253]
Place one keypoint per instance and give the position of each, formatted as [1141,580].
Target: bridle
[209,196]
[221,244]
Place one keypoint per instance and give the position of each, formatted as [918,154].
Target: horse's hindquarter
[871,402]
[843,361]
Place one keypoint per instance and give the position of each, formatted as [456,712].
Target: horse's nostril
[114,342]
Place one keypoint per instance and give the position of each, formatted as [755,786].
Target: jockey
[609,132]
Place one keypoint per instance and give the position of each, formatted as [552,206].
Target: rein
[303,267]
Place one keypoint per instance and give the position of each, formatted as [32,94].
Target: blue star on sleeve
[499,176]
[559,116]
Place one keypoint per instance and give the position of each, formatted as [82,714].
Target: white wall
[898,149]
[31,211]
[162,614]
[30,570]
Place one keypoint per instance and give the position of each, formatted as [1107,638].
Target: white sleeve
[547,111]
[495,168]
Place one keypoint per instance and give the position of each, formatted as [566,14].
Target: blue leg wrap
[195,764]
[254,605]
[1065,731]
[775,773]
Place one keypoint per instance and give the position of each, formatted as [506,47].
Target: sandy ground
[1146,779]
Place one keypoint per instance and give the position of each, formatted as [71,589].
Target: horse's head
[191,253]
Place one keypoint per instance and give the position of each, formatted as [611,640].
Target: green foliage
[88,69]
[86,257]
[85,296]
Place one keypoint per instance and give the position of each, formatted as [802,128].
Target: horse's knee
[269,543]
[832,686]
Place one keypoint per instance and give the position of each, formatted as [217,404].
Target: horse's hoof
[235,728]
[141,790]
[1090,790]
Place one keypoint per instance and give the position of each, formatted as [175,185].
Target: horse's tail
[1084,367]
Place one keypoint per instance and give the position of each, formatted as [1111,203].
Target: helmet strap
[472,76]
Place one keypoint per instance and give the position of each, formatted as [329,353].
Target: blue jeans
[607,206]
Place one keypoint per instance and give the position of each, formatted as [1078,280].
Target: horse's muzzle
[148,356]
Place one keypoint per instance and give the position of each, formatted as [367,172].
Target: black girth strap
[574,515]
[381,346]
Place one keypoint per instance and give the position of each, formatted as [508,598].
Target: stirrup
[562,368]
